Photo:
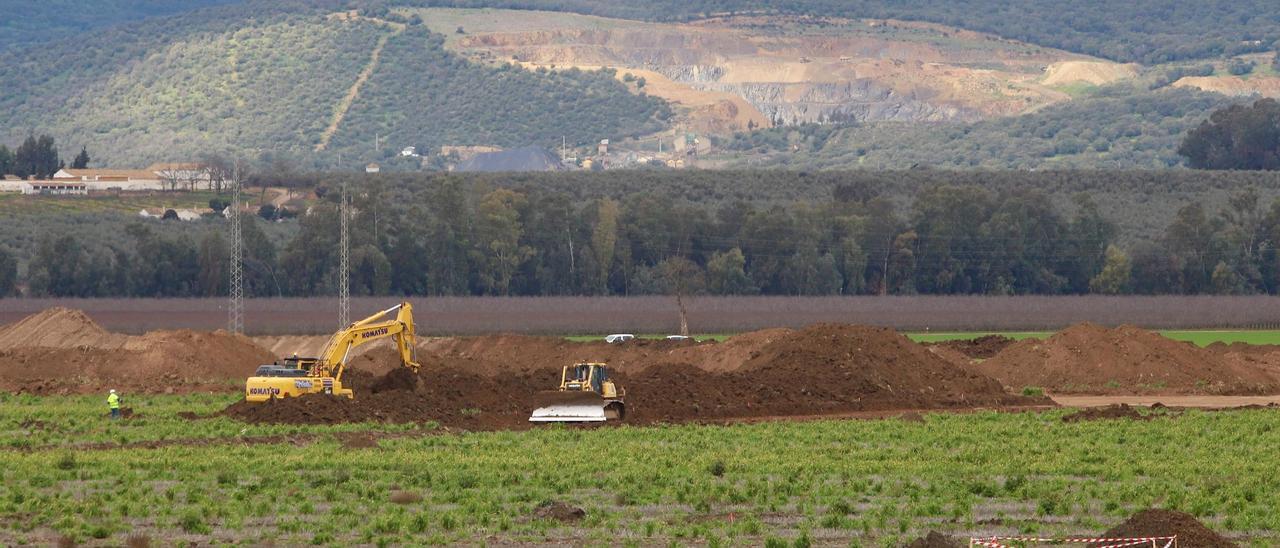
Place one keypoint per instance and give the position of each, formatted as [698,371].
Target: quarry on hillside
[734,73]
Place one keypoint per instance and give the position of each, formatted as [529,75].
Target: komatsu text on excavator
[298,376]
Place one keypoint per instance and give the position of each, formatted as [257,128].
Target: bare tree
[170,177]
[219,169]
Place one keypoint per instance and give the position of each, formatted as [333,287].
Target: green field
[858,483]
[15,204]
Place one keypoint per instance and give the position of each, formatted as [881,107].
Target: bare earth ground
[728,71]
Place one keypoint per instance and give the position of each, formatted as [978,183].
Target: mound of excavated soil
[935,540]
[64,351]
[826,369]
[558,511]
[59,327]
[1122,411]
[1097,73]
[1163,523]
[446,395]
[981,348]
[1090,359]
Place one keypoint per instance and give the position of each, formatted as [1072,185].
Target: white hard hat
[113,391]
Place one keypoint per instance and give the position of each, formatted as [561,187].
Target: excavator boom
[325,373]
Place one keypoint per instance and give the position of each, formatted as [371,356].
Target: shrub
[193,522]
[66,462]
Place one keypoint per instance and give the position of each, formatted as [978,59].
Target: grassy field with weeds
[130,203]
[71,474]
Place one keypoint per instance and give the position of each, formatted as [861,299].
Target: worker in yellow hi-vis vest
[113,402]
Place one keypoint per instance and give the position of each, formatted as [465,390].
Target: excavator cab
[586,394]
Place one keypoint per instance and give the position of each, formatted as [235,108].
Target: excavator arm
[333,359]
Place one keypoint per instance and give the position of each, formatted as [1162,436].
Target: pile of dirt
[826,368]
[981,348]
[1163,523]
[446,395]
[935,540]
[63,351]
[558,511]
[1121,411]
[822,370]
[1090,359]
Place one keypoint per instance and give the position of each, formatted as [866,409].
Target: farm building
[43,187]
[112,179]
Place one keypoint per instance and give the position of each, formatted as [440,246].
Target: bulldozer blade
[569,407]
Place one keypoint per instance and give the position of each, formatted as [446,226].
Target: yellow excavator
[586,394]
[298,376]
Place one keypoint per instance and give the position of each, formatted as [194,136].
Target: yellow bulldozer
[586,394]
[299,376]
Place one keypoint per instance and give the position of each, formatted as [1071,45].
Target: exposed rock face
[794,69]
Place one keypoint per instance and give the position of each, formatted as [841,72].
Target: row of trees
[453,239]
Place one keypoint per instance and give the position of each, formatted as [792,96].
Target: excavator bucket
[569,407]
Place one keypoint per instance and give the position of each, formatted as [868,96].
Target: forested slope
[426,96]
[1118,128]
[28,22]
[1146,31]
[268,77]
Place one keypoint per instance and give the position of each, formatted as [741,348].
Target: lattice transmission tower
[344,262]
[235,311]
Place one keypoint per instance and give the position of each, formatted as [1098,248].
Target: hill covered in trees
[1145,31]
[28,23]
[1115,128]
[316,81]
[297,79]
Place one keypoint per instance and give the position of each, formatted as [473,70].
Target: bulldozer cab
[586,395]
[584,377]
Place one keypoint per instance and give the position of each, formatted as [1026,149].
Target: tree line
[37,157]
[457,239]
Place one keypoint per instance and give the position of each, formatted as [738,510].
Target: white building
[53,188]
[183,214]
[112,179]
